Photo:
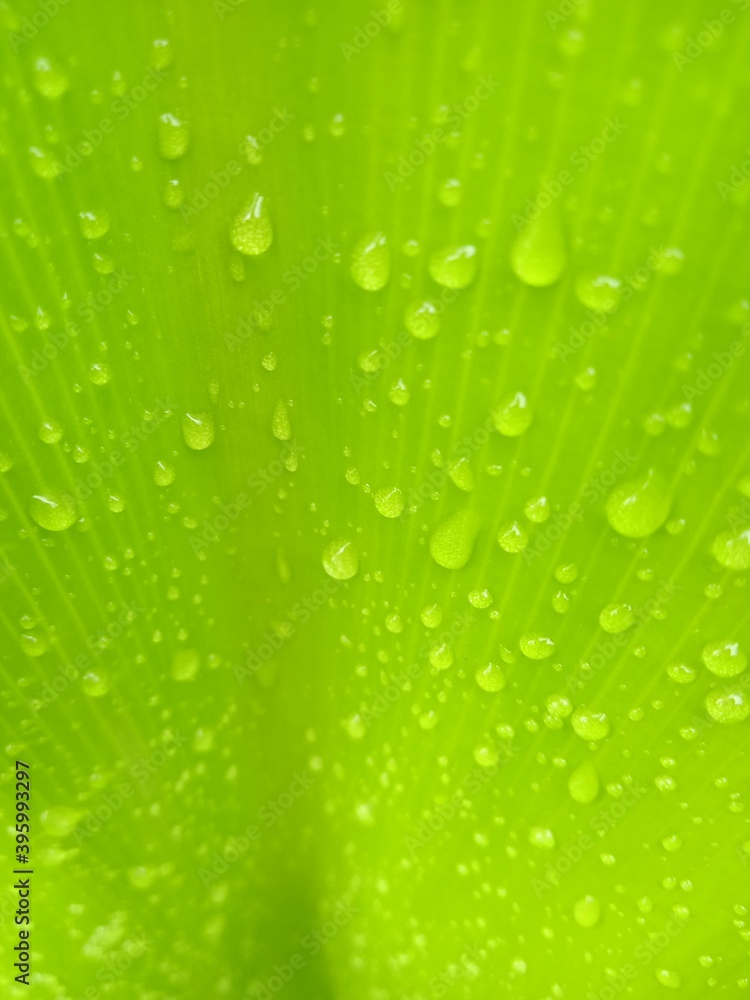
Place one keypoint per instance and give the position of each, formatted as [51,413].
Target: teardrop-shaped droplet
[174,136]
[640,506]
[371,262]
[452,542]
[454,267]
[538,256]
[53,510]
[340,559]
[198,430]
[252,232]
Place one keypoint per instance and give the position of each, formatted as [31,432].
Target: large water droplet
[340,559]
[724,658]
[422,320]
[452,542]
[454,267]
[174,136]
[589,724]
[252,232]
[587,911]
[583,784]
[732,549]
[640,506]
[538,255]
[371,262]
[536,647]
[389,501]
[616,618]
[53,510]
[198,430]
[513,415]
[600,292]
[490,677]
[728,705]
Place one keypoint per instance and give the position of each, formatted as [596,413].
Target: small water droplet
[452,542]
[174,136]
[454,267]
[590,725]
[512,416]
[389,501]
[724,658]
[538,256]
[639,507]
[198,430]
[53,510]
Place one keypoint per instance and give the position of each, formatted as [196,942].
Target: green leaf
[376,498]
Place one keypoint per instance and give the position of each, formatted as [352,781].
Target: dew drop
[486,755]
[281,426]
[452,542]
[590,725]
[174,136]
[538,256]
[616,618]
[640,506]
[252,232]
[422,320]
[587,911]
[340,559]
[724,658]
[583,784]
[732,549]
[454,267]
[198,431]
[93,225]
[389,501]
[536,647]
[49,79]
[164,474]
[185,664]
[599,292]
[53,511]
[513,415]
[490,678]
[371,262]
[512,537]
[95,683]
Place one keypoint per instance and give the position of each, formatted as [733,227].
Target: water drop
[95,683]
[583,784]
[454,267]
[538,256]
[185,664]
[252,232]
[174,136]
[389,501]
[616,618]
[536,647]
[164,474]
[54,510]
[732,549]
[431,615]
[198,430]
[93,225]
[541,837]
[513,415]
[512,537]
[49,79]
[600,292]
[371,262]
[340,559]
[640,506]
[725,659]
[486,755]
[422,320]
[452,542]
[587,911]
[490,678]
[281,426]
[590,725]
